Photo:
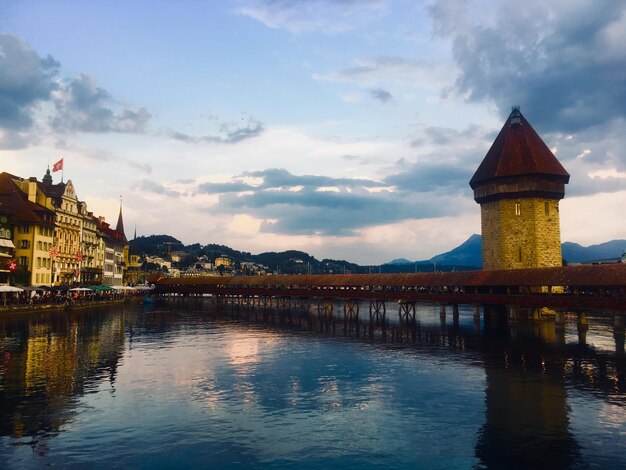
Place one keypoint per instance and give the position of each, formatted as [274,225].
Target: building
[33,228]
[114,244]
[68,232]
[519,185]
[223,261]
[7,248]
[92,257]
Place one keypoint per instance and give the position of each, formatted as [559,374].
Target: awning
[6,243]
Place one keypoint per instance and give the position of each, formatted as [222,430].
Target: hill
[466,256]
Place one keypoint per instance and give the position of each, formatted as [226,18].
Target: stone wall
[521,233]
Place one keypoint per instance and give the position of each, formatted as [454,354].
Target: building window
[519,254]
[518,208]
[23,261]
[25,244]
[547,208]
[24,229]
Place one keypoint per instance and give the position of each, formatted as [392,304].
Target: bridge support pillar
[583,327]
[378,310]
[619,333]
[351,310]
[512,313]
[455,314]
[476,316]
[406,312]
[559,320]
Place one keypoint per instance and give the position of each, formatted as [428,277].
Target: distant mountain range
[466,256]
[469,253]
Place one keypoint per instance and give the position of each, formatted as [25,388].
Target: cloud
[422,178]
[386,69]
[227,133]
[26,80]
[81,105]
[318,205]
[328,16]
[157,188]
[381,95]
[563,60]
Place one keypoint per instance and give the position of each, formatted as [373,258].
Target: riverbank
[49,307]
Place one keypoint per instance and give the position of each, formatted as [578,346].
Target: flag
[57,166]
[53,252]
[79,255]
[12,265]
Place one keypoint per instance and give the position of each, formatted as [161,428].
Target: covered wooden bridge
[581,287]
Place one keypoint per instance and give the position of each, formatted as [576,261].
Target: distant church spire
[135,236]
[120,222]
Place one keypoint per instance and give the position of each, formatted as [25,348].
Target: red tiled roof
[606,275]
[13,199]
[518,151]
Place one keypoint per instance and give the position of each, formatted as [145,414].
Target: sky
[348,129]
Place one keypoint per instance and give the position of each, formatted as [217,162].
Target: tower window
[547,207]
[519,254]
[518,208]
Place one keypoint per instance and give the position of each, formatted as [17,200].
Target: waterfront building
[518,186]
[53,237]
[68,232]
[92,259]
[33,228]
[7,248]
[114,244]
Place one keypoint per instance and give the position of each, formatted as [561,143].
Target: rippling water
[171,387]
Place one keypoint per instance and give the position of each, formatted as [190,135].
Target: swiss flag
[57,166]
[12,265]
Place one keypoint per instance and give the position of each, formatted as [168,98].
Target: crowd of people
[67,296]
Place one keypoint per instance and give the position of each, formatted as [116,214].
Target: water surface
[186,385]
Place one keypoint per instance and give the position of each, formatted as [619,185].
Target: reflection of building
[48,363]
[518,186]
[527,424]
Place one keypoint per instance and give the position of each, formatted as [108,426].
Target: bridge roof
[606,275]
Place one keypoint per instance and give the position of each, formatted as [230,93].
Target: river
[191,386]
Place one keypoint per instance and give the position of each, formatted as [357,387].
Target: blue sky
[348,129]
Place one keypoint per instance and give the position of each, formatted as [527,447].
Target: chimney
[32,189]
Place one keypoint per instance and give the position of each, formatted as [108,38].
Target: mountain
[469,253]
[575,253]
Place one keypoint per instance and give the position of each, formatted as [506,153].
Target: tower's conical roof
[518,151]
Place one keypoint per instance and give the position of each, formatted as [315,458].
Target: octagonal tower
[519,185]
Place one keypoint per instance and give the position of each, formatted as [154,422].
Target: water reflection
[46,363]
[276,387]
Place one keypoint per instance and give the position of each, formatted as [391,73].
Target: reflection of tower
[518,186]
[526,415]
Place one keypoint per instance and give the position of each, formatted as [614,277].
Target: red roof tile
[518,151]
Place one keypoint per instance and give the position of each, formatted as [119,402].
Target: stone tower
[518,186]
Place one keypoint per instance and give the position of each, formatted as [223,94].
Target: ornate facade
[53,238]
